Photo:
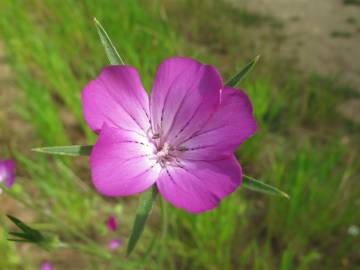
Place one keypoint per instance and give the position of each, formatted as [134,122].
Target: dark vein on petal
[137,142]
[184,98]
[201,147]
[136,97]
[177,184]
[140,174]
[165,100]
[124,129]
[199,133]
[167,95]
[111,95]
[202,183]
[135,157]
[189,121]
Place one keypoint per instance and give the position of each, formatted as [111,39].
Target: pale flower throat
[164,152]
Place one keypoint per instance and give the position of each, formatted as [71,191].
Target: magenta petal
[114,244]
[199,186]
[7,172]
[46,266]
[230,125]
[120,163]
[111,223]
[185,94]
[118,99]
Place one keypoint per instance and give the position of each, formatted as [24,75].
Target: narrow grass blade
[21,225]
[27,233]
[147,200]
[256,185]
[17,240]
[239,76]
[71,150]
[18,234]
[110,50]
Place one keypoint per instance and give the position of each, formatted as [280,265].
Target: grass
[351,2]
[341,34]
[302,146]
[351,20]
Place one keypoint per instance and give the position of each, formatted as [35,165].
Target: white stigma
[164,152]
[163,155]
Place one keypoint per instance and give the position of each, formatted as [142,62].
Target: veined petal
[121,163]
[199,186]
[184,96]
[229,126]
[7,172]
[116,97]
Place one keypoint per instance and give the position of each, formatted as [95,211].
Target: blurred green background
[305,92]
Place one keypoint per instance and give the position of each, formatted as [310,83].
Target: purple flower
[46,266]
[114,244]
[111,223]
[182,138]
[7,172]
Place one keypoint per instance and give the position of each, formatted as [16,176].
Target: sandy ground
[324,35]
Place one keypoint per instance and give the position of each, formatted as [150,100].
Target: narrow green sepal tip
[110,50]
[69,150]
[245,71]
[259,186]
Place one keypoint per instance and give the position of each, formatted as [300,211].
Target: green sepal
[147,200]
[241,75]
[259,186]
[70,150]
[110,50]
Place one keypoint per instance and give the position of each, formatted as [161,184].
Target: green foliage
[147,199]
[341,34]
[351,2]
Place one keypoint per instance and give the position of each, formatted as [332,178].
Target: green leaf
[71,150]
[19,234]
[239,76]
[17,240]
[110,50]
[28,234]
[256,185]
[19,223]
[147,200]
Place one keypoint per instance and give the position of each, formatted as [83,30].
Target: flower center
[163,154]
[163,151]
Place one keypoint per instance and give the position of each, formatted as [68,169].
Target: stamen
[164,151]
[182,148]
[155,136]
[148,132]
